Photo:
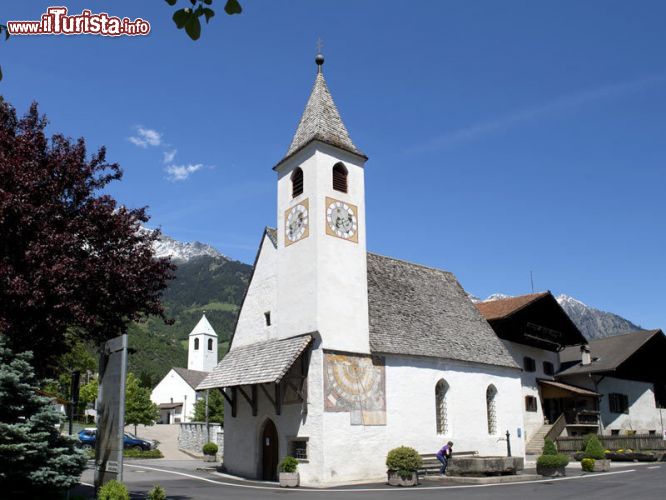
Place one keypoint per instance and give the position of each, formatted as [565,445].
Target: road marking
[655,467]
[357,490]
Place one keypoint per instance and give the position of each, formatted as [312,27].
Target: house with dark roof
[534,328]
[339,355]
[629,374]
[176,393]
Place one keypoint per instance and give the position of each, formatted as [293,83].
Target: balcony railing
[582,417]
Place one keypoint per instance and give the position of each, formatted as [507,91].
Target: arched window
[296,182]
[196,344]
[440,407]
[491,392]
[210,344]
[340,177]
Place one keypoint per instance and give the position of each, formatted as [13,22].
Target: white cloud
[169,156]
[146,137]
[571,101]
[177,173]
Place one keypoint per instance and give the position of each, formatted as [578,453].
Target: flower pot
[210,458]
[395,479]
[551,471]
[601,465]
[289,479]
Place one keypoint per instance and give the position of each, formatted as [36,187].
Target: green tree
[139,409]
[215,408]
[35,459]
[88,392]
[189,17]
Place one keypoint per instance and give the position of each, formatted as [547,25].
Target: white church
[176,393]
[340,355]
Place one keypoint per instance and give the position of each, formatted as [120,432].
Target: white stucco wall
[172,388]
[341,452]
[534,420]
[261,297]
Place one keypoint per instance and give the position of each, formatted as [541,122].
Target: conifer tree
[35,459]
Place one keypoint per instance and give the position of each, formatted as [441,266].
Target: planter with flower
[210,452]
[595,459]
[403,464]
[289,478]
[551,463]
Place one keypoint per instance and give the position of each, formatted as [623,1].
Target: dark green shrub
[157,493]
[113,490]
[210,449]
[553,461]
[404,460]
[587,464]
[586,440]
[549,448]
[288,464]
[594,449]
[143,454]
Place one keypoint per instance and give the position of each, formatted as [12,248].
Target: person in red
[443,455]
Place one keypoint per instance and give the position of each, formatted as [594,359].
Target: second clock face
[296,221]
[341,219]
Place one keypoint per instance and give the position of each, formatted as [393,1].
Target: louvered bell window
[296,183]
[340,177]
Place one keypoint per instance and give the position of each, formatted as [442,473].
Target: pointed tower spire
[321,120]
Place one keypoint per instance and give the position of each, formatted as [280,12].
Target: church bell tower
[202,347]
[322,266]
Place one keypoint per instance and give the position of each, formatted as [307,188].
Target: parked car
[87,438]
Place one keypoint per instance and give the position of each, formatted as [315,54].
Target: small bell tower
[202,347]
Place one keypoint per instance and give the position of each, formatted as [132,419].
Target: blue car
[87,439]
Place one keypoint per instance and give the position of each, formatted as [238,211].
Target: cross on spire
[320,44]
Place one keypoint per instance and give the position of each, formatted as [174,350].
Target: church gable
[421,311]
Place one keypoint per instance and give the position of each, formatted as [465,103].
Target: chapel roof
[192,377]
[321,121]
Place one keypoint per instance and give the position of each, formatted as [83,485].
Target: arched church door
[269,446]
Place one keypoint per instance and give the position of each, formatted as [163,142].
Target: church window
[529,364]
[210,344]
[196,344]
[440,406]
[340,177]
[530,403]
[267,317]
[548,368]
[491,392]
[296,183]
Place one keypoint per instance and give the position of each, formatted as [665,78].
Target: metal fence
[643,442]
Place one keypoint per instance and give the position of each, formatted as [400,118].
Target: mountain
[205,280]
[593,323]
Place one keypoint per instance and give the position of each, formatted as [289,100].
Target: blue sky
[504,137]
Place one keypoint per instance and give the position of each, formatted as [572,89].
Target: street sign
[111,411]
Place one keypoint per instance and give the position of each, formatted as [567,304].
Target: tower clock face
[296,223]
[341,220]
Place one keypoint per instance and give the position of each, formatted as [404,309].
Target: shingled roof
[421,311]
[192,377]
[501,308]
[259,363]
[321,121]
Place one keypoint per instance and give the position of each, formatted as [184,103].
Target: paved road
[166,434]
[183,482]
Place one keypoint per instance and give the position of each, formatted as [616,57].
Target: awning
[169,406]
[260,363]
[579,391]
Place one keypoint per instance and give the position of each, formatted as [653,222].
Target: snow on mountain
[180,251]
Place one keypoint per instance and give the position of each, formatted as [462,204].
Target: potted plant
[403,464]
[210,452]
[550,463]
[595,458]
[289,478]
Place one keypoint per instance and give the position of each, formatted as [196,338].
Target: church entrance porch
[269,451]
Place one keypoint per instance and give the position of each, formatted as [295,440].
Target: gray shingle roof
[259,363]
[272,235]
[192,377]
[421,311]
[321,121]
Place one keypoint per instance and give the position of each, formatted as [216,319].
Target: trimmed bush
[594,449]
[553,461]
[210,449]
[113,490]
[587,464]
[288,464]
[157,493]
[586,440]
[143,454]
[549,448]
[404,460]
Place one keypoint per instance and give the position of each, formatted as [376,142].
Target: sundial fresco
[356,384]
